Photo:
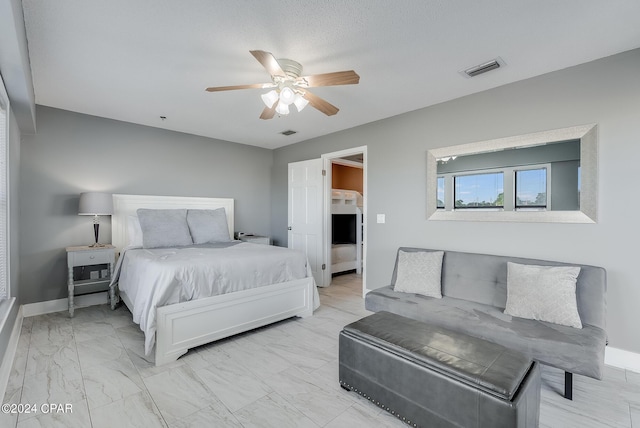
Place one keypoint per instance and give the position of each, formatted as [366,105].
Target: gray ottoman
[432,377]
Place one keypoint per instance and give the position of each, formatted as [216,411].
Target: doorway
[344,214]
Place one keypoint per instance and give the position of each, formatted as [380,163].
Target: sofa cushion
[579,351]
[545,293]
[420,272]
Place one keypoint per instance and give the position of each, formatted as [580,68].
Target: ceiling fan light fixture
[270,98]
[288,86]
[282,109]
[287,96]
[300,102]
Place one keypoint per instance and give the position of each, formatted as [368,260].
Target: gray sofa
[474,290]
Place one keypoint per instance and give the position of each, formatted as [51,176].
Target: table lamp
[95,204]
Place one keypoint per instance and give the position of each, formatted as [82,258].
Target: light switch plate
[381,218]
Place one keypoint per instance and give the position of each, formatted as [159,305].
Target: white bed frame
[186,325]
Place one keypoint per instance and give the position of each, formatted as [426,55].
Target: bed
[187,324]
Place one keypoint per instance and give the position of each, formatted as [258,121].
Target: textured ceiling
[138,60]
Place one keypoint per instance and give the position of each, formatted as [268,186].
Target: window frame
[509,189]
[444,192]
[472,173]
[547,206]
[5,188]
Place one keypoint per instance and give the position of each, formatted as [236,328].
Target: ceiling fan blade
[268,113]
[232,88]
[269,62]
[320,104]
[349,77]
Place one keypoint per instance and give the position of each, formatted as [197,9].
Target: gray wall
[606,92]
[564,186]
[550,153]
[74,153]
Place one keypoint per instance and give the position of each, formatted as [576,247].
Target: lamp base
[97,245]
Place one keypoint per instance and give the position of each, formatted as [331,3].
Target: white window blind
[4,192]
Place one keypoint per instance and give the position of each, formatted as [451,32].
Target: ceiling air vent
[289,132]
[483,68]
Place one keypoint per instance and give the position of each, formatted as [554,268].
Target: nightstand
[255,239]
[90,270]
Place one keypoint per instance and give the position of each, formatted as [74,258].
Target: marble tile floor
[283,375]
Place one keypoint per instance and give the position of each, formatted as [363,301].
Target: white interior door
[305,213]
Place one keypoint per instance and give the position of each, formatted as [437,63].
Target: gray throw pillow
[543,293]
[420,272]
[164,228]
[208,225]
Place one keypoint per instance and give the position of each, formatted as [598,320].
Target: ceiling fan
[289,87]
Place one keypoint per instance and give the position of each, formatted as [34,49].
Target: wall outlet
[381,218]
[94,274]
[103,273]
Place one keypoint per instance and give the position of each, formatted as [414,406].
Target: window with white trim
[524,188]
[4,192]
[531,189]
[440,192]
[480,190]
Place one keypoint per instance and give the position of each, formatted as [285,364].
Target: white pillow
[134,231]
[543,293]
[420,272]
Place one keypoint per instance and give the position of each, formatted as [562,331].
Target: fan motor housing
[292,69]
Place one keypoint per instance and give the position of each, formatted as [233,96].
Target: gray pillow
[208,226]
[543,293]
[164,228]
[420,272]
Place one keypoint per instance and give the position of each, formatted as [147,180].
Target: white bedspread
[157,277]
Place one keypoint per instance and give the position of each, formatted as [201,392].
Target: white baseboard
[50,306]
[622,359]
[10,353]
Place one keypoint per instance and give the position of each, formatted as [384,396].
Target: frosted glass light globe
[270,98]
[287,96]
[282,109]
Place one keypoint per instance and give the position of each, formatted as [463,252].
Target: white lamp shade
[287,96]
[282,109]
[94,203]
[300,102]
[270,98]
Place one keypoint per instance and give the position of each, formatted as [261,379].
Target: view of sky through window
[479,190]
[440,192]
[531,187]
